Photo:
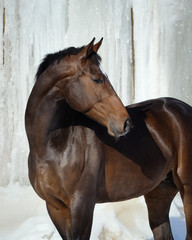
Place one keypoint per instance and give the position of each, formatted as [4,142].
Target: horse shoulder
[78,158]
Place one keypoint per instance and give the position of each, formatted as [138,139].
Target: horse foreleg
[62,220]
[82,208]
[158,203]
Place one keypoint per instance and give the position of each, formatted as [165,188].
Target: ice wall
[145,55]
[163,49]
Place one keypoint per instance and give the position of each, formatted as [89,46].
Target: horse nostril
[127,125]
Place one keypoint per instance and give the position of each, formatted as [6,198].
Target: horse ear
[97,45]
[87,50]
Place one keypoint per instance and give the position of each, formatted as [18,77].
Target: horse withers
[87,148]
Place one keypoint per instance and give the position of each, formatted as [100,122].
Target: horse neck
[45,113]
[42,113]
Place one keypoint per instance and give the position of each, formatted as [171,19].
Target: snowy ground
[23,217]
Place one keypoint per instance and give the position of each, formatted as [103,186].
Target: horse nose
[127,125]
[118,129]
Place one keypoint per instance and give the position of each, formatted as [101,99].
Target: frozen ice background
[162,45]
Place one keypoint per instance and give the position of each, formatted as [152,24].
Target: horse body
[74,163]
[131,163]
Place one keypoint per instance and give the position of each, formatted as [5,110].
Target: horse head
[88,90]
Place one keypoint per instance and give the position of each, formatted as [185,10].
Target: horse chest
[60,171]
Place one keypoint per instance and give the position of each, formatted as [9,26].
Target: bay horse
[87,148]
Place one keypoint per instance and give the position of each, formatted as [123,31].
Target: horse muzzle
[117,130]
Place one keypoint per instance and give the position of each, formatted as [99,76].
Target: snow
[24,217]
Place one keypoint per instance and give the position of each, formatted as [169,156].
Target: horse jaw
[111,113]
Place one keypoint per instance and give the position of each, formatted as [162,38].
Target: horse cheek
[74,96]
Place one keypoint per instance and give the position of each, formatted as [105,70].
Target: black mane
[49,59]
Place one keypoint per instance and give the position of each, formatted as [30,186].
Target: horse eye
[98,80]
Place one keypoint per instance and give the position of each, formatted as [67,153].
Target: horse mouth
[118,132]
